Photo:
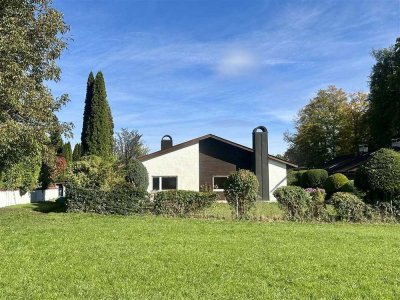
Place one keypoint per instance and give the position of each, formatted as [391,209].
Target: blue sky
[188,68]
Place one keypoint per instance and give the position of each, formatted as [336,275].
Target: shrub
[136,174]
[241,191]
[335,182]
[123,199]
[348,207]
[317,205]
[348,187]
[53,171]
[182,203]
[295,201]
[94,172]
[294,177]
[23,176]
[314,178]
[380,174]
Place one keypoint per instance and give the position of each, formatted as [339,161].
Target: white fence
[8,198]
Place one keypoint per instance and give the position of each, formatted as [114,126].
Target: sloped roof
[207,136]
[346,164]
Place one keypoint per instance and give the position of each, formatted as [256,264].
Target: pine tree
[100,127]
[67,152]
[77,153]
[85,136]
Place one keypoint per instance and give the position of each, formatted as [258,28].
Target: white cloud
[238,62]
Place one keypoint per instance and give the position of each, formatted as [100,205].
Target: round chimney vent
[262,128]
[166,142]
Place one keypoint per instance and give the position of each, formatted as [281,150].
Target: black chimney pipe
[260,160]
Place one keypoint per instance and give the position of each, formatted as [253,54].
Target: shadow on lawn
[57,206]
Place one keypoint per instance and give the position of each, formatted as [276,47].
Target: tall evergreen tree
[385,96]
[67,152]
[100,126]
[77,153]
[56,141]
[85,136]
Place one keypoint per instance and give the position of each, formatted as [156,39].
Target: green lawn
[58,255]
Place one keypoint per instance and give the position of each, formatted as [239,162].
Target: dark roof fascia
[196,140]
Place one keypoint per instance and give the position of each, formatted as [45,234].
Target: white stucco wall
[183,163]
[8,198]
[277,176]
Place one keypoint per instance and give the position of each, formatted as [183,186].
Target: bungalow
[208,160]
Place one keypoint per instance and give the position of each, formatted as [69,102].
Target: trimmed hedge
[179,203]
[314,178]
[294,177]
[380,175]
[123,199]
[335,183]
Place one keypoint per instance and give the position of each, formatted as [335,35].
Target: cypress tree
[100,126]
[85,136]
[77,153]
[67,152]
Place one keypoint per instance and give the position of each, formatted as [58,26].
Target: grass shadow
[57,206]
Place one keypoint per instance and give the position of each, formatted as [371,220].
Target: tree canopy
[385,96]
[32,38]
[331,124]
[129,145]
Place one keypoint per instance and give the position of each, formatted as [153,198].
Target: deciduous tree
[32,38]
[319,128]
[129,145]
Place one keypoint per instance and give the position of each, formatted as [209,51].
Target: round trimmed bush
[381,174]
[314,178]
[136,174]
[241,191]
[348,187]
[348,207]
[294,177]
[335,182]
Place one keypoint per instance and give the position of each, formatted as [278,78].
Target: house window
[219,183]
[161,183]
[156,183]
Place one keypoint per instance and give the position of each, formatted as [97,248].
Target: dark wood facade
[221,159]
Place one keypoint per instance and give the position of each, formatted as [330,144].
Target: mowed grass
[63,256]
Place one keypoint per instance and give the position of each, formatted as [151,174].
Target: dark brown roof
[207,136]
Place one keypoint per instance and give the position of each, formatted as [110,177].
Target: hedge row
[182,202]
[310,204]
[125,199]
[122,200]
